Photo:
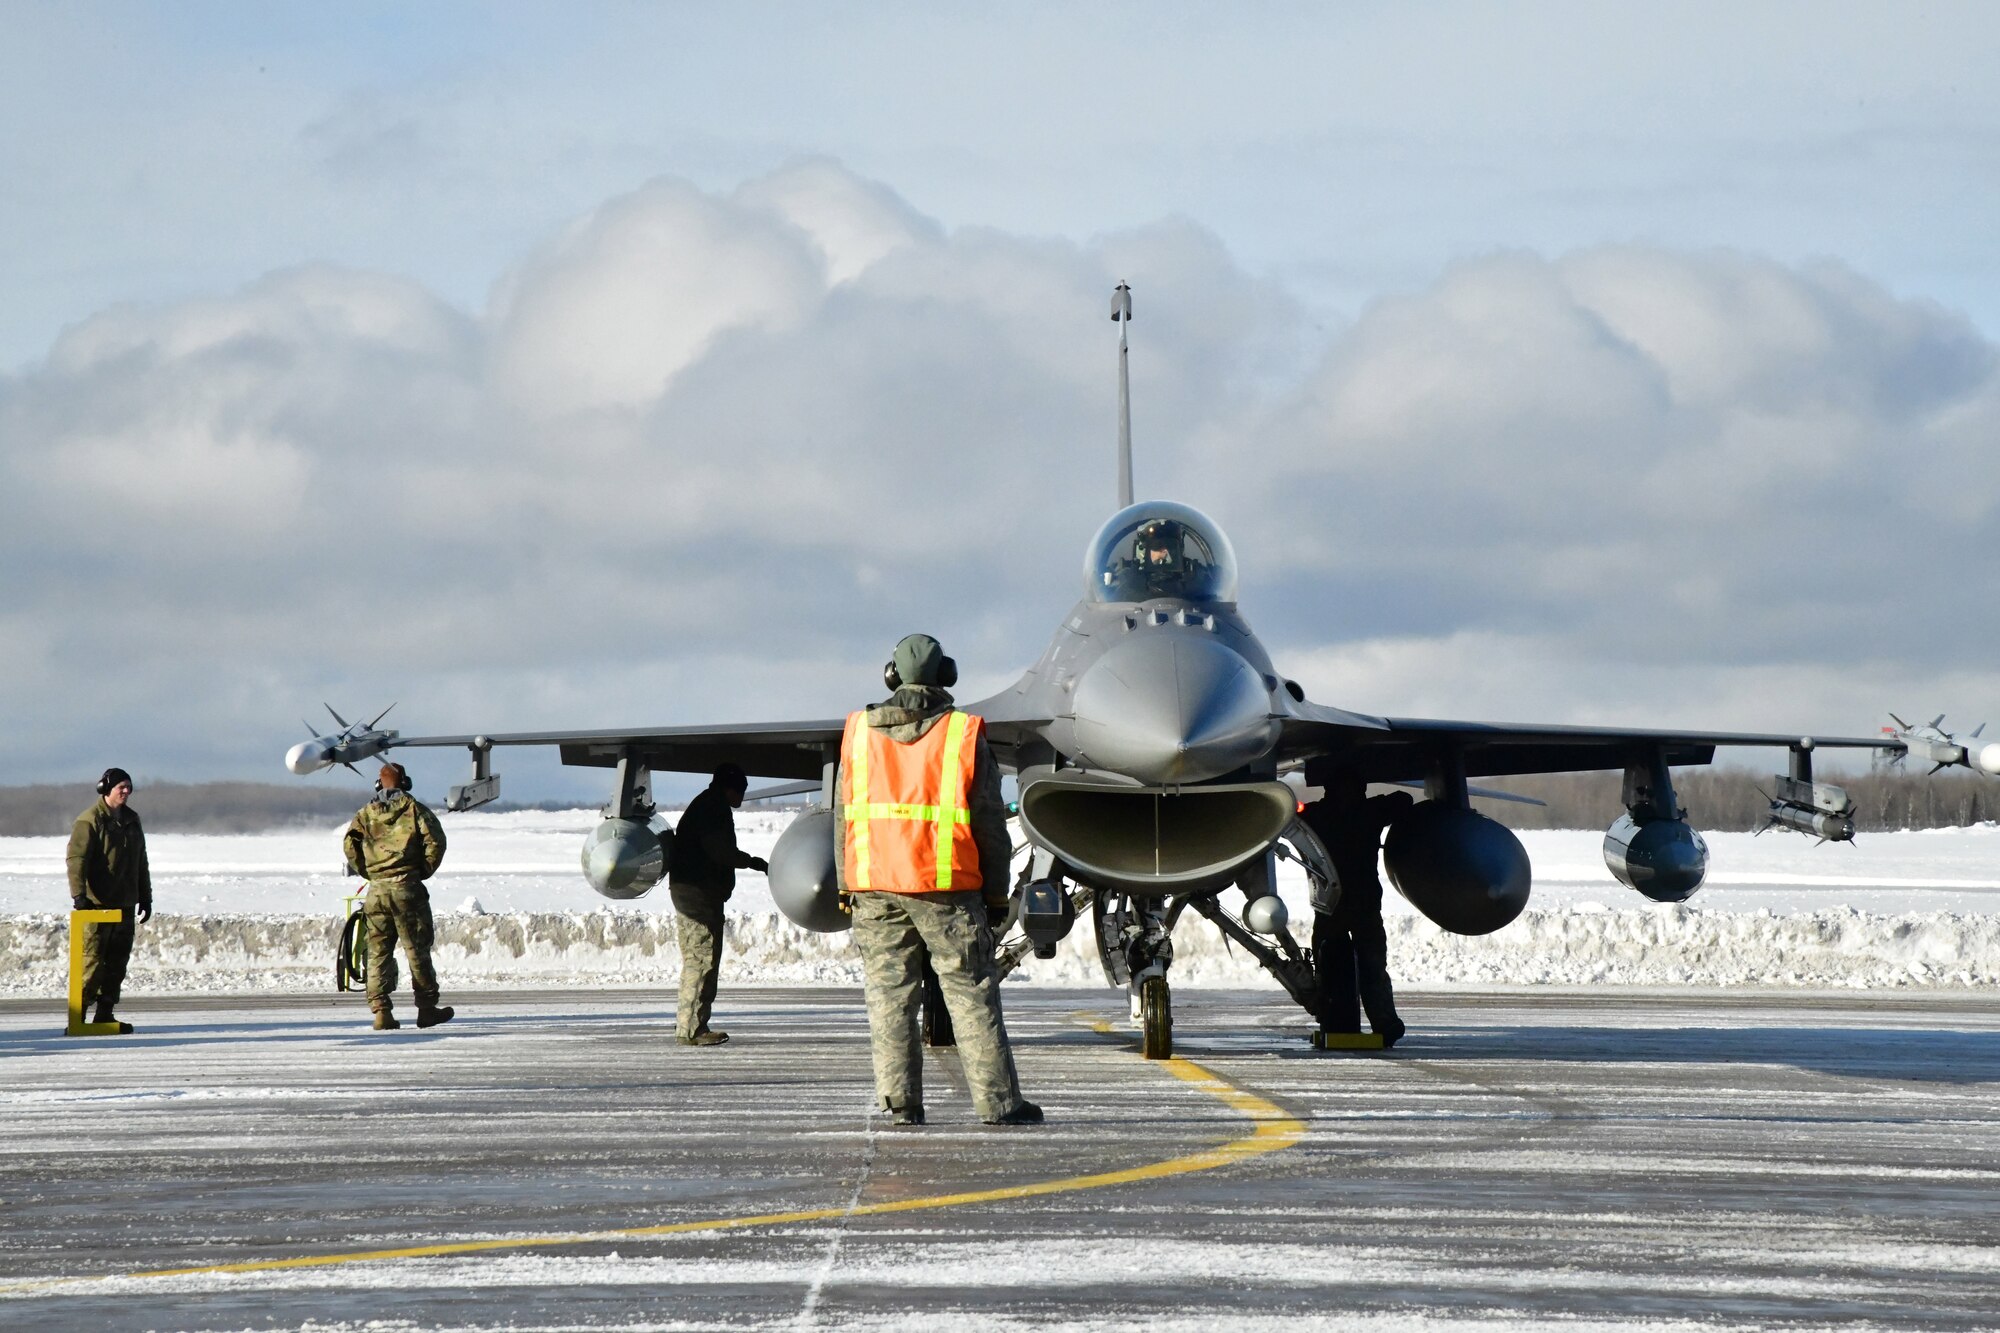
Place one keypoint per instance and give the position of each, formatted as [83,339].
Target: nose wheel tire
[1156,1019]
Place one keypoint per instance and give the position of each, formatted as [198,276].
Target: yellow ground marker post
[1347,1041]
[78,921]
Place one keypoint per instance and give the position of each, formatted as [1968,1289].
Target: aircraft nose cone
[1172,708]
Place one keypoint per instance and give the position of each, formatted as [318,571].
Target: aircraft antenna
[1121,311]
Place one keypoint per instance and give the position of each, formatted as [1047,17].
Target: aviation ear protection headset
[403,782]
[112,777]
[947,672]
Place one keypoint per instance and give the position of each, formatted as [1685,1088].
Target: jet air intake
[1120,834]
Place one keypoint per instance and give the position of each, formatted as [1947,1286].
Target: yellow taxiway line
[1272,1129]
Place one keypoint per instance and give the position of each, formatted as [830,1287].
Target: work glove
[144,912]
[760,865]
[79,904]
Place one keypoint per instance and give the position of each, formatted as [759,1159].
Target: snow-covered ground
[257,910]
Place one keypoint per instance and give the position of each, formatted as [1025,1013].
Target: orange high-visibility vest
[909,829]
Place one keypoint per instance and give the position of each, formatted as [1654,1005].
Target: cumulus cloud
[704,455]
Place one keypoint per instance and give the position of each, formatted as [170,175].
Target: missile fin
[343,721]
[1938,721]
[378,717]
[1899,722]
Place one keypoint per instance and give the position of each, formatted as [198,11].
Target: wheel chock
[1347,1041]
[77,1027]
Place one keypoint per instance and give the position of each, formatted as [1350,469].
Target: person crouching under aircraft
[705,863]
[396,843]
[922,851]
[1350,948]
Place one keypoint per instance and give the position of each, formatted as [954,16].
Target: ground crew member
[921,849]
[1350,949]
[396,843]
[705,863]
[108,869]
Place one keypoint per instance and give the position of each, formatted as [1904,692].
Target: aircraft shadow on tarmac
[1924,1055]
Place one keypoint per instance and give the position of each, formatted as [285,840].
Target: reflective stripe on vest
[943,784]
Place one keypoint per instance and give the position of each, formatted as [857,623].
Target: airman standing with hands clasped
[396,843]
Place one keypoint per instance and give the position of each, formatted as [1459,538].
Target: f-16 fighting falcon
[1151,743]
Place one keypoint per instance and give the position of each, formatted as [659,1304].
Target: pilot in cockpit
[1158,549]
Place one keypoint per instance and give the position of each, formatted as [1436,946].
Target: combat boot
[705,1037]
[104,1015]
[906,1115]
[430,1015]
[385,1021]
[1027,1113]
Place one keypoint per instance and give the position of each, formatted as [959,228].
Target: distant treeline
[182,807]
[1729,800]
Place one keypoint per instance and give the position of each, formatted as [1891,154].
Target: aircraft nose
[1168,708]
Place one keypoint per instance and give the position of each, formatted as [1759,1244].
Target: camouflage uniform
[108,868]
[895,931]
[706,859]
[396,843]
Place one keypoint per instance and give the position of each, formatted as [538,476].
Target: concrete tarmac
[1611,1159]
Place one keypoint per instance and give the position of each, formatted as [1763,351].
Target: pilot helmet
[1158,544]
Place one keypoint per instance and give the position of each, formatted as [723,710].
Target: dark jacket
[107,858]
[705,852]
[906,716]
[1353,838]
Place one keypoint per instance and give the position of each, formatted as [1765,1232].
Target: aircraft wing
[1399,749]
[761,749]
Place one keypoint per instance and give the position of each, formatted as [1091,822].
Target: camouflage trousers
[107,950]
[698,918]
[894,932]
[394,911]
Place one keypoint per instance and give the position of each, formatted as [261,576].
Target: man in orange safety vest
[921,849]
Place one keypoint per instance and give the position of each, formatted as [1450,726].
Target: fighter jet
[1157,750]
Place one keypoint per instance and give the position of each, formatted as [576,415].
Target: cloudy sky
[543,366]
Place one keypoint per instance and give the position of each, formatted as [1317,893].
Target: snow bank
[1674,946]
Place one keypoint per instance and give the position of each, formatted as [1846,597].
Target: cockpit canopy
[1159,549]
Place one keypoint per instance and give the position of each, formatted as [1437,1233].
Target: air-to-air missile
[1940,749]
[353,743]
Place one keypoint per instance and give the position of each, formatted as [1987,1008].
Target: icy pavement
[1659,1160]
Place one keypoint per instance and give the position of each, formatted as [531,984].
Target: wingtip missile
[352,744]
[1940,749]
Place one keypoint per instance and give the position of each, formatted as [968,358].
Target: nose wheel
[1156,1018]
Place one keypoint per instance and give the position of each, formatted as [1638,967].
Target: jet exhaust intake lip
[1152,839]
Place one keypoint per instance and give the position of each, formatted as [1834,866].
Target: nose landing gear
[1135,942]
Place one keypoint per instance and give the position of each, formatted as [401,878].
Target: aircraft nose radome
[1168,708]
